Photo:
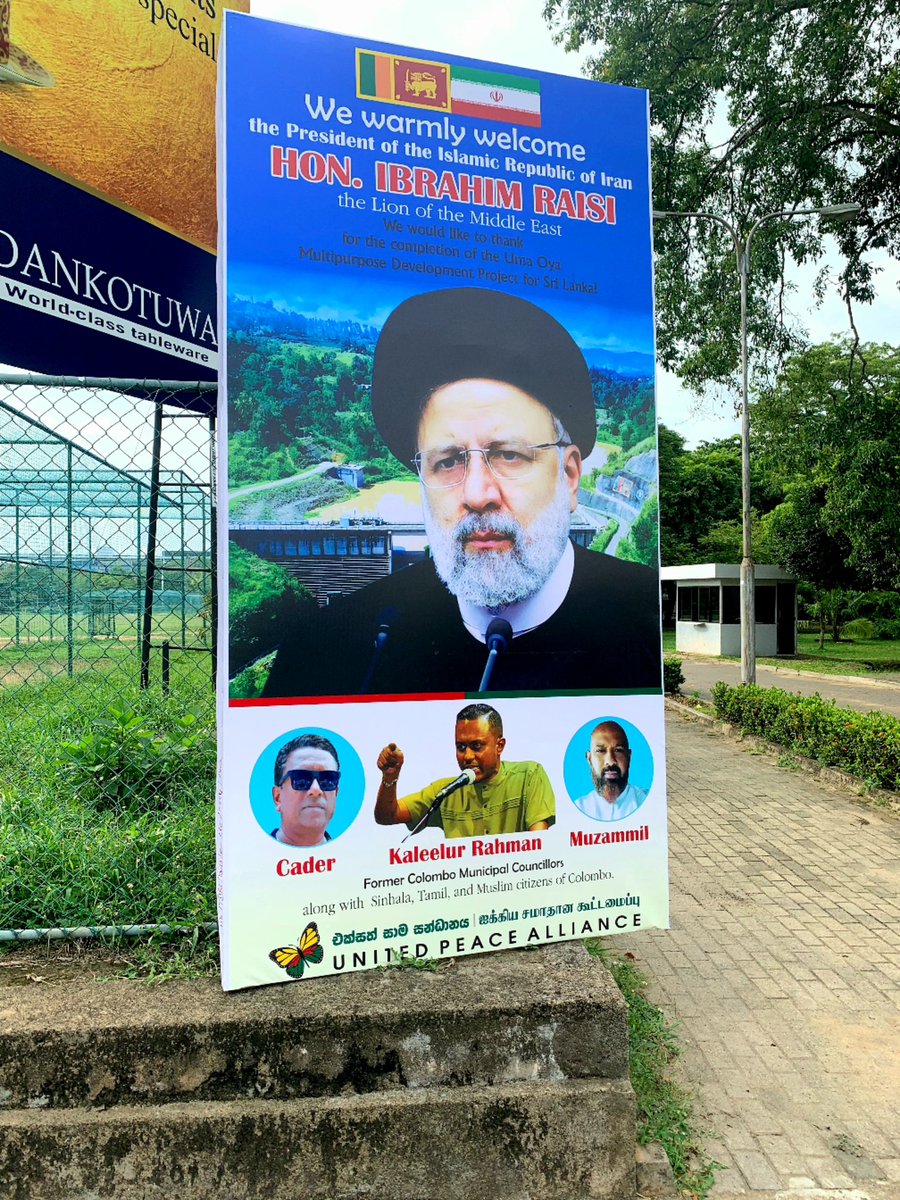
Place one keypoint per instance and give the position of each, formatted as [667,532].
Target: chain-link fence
[107,651]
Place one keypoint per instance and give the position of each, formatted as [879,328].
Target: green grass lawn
[107,820]
[843,658]
[835,658]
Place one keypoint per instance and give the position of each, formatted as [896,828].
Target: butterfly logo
[294,958]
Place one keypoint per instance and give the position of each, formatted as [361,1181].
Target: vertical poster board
[439,459]
[107,163]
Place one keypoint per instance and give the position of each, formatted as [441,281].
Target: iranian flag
[493,96]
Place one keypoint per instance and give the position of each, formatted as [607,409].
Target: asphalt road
[701,674]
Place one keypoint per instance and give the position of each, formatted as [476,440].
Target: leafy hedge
[864,744]
[606,535]
[672,675]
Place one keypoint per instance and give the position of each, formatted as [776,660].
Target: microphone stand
[497,638]
[380,640]
[423,820]
[383,630]
[439,800]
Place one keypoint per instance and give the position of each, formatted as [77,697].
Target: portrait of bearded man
[489,399]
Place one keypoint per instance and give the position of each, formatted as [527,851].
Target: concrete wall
[704,638]
[731,640]
[766,641]
[723,639]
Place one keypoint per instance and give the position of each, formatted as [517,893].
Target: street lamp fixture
[742,245]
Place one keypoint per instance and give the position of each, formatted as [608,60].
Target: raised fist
[390,760]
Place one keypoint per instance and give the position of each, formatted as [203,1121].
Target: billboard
[441,716]
[107,156]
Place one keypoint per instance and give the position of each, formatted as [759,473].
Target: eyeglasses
[302,781]
[507,460]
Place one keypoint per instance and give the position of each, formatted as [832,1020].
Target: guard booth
[707,609]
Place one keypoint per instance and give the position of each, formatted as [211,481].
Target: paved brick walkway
[783,969]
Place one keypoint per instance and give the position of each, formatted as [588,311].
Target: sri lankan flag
[397,80]
[494,96]
[488,95]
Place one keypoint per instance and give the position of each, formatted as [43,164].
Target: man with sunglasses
[490,400]
[307,776]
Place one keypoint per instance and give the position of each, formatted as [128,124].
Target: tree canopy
[829,431]
[700,501]
[757,106]
[264,600]
[825,466]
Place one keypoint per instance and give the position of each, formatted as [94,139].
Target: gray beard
[494,579]
[600,783]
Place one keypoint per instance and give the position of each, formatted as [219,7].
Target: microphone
[467,776]
[497,637]
[383,624]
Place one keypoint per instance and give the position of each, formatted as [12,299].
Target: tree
[696,489]
[802,543]
[700,501]
[809,97]
[264,600]
[829,428]
[642,543]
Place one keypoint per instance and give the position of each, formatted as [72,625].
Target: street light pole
[748,571]
[742,256]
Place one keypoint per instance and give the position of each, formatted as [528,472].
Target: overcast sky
[515,33]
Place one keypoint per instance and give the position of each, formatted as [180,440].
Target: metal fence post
[214,545]
[18,577]
[152,522]
[70,596]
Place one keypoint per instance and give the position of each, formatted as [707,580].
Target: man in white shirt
[609,759]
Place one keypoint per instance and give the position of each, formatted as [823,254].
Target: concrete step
[499,1076]
[530,1015]
[559,1141]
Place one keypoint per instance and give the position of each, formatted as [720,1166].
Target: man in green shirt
[505,797]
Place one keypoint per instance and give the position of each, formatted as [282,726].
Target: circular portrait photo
[608,769]
[307,787]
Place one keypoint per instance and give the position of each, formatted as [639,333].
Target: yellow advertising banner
[118,96]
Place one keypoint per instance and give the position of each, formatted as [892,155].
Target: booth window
[731,604]
[699,604]
[765,606]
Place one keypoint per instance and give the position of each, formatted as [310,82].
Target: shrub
[864,744]
[127,761]
[605,536]
[877,606]
[265,600]
[860,630]
[672,675]
[887,630]
[249,683]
